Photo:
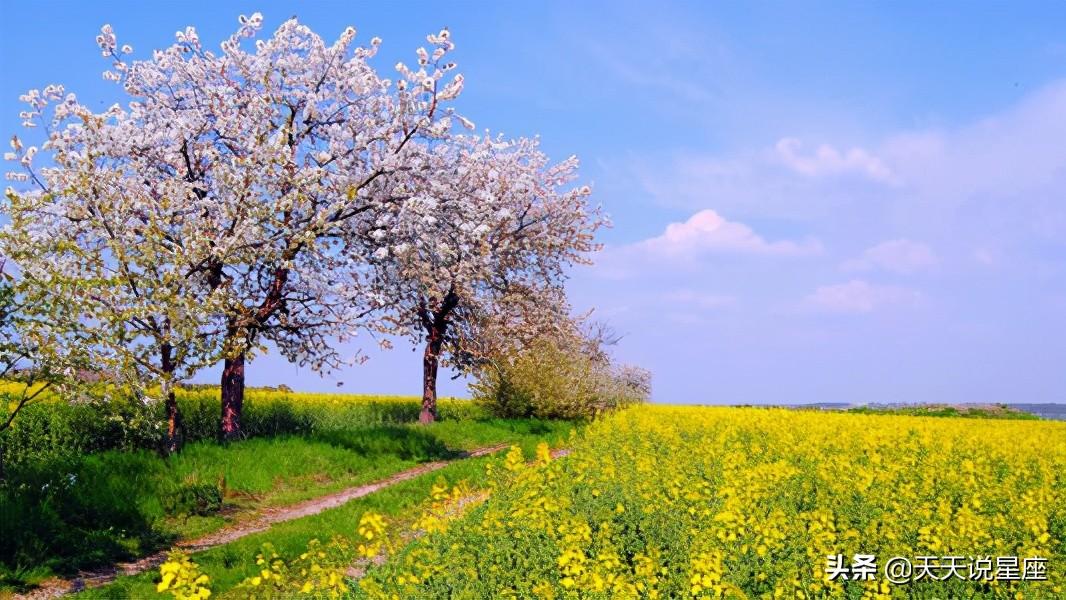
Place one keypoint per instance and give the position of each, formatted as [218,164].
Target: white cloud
[1004,157]
[685,244]
[858,296]
[1001,177]
[898,256]
[827,160]
[708,232]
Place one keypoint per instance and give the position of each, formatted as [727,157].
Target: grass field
[66,507]
[652,502]
[232,563]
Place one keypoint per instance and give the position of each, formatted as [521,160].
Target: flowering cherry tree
[476,257]
[265,153]
[281,191]
[107,246]
[25,358]
[319,140]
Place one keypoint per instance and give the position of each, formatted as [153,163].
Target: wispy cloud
[897,256]
[640,71]
[859,296]
[826,160]
[988,257]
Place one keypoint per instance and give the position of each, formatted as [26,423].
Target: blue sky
[812,202]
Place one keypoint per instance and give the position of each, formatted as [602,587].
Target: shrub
[194,499]
[558,380]
[54,511]
[53,430]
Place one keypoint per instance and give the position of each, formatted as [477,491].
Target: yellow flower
[703,490]
[544,455]
[182,577]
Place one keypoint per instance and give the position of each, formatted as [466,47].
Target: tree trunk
[175,431]
[246,327]
[430,362]
[232,397]
[436,324]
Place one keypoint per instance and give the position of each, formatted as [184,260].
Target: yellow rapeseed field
[689,502]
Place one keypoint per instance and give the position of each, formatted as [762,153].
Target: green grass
[109,419]
[304,467]
[71,514]
[230,564]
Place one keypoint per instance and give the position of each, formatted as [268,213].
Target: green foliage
[234,563]
[55,428]
[64,511]
[194,499]
[550,380]
[72,513]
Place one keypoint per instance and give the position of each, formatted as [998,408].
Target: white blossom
[284,191]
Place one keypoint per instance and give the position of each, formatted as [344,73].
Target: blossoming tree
[268,152]
[284,192]
[477,256]
[24,356]
[107,246]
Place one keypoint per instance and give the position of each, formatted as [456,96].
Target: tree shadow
[407,443]
[528,426]
[68,515]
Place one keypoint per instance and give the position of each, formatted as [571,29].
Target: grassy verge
[76,513]
[230,564]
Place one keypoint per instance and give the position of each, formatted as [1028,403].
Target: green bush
[56,508]
[553,381]
[53,430]
[194,499]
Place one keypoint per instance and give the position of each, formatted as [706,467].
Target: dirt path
[360,566]
[261,522]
